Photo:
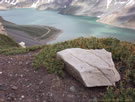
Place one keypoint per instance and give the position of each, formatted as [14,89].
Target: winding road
[40,37]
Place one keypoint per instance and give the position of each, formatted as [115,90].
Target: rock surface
[124,17]
[91,67]
[2,30]
[22,44]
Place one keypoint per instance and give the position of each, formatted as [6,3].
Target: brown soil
[19,82]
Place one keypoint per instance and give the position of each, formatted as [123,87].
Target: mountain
[123,15]
[116,12]
[40,4]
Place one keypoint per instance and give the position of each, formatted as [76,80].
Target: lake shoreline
[115,25]
[22,36]
[51,36]
[31,35]
[71,26]
[99,21]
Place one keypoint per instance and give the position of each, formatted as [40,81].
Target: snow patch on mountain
[34,5]
[130,2]
[108,3]
[11,2]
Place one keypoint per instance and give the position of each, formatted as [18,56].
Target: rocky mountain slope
[41,4]
[123,16]
[116,12]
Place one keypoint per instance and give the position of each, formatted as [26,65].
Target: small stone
[70,96]
[2,100]
[27,63]
[10,75]
[21,75]
[0,72]
[49,94]
[20,63]
[9,62]
[14,87]
[22,96]
[63,95]
[72,88]
[11,58]
[41,82]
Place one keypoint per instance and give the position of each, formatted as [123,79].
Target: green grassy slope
[123,56]
[9,47]
[6,42]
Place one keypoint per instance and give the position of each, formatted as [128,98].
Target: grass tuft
[14,51]
[121,52]
[9,47]
[7,42]
[123,56]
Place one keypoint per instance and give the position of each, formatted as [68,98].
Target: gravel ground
[19,82]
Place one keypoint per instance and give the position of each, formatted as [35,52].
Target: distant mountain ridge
[116,12]
[54,4]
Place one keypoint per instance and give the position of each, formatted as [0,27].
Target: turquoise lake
[72,26]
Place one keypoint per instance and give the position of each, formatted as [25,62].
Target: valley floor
[19,82]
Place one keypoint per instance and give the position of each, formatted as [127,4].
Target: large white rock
[22,44]
[91,67]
